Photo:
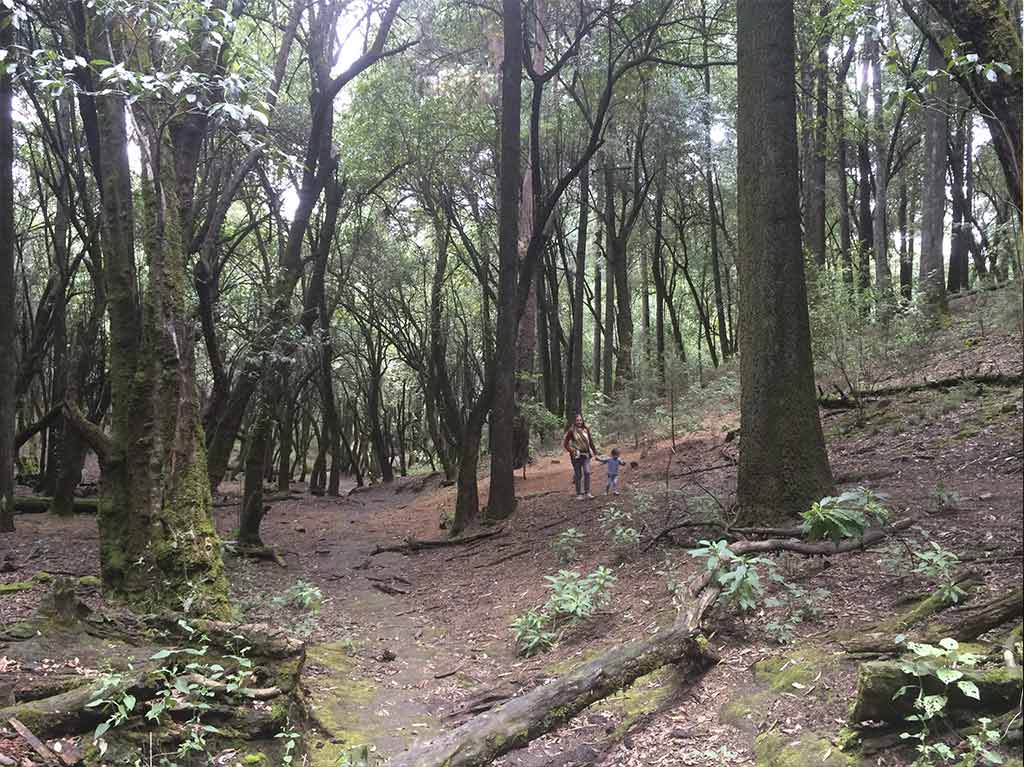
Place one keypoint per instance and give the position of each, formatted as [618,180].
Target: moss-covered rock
[772,749]
[886,693]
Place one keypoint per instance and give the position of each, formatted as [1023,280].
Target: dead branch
[412,545]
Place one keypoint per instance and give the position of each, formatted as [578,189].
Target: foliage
[944,663]
[305,600]
[617,524]
[574,597]
[564,544]
[532,632]
[737,574]
[798,605]
[185,682]
[844,516]
[939,566]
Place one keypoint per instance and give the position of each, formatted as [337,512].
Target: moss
[255,759]
[772,749]
[800,668]
[43,577]
[645,696]
[15,586]
[742,712]
[21,630]
[91,581]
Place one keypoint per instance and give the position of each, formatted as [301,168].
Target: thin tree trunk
[574,390]
[906,240]
[8,317]
[883,277]
[933,193]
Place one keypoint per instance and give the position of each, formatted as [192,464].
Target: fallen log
[515,723]
[964,625]
[38,504]
[413,545]
[856,397]
[512,725]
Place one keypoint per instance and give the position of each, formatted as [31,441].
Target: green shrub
[843,516]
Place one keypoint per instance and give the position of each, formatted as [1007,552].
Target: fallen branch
[856,398]
[38,504]
[37,745]
[256,693]
[411,545]
[515,723]
[505,558]
[966,625]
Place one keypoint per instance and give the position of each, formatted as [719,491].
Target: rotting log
[37,504]
[515,723]
[886,693]
[964,624]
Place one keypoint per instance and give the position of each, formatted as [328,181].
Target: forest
[537,383]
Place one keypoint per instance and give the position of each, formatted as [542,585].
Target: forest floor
[405,645]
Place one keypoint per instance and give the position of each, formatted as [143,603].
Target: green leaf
[969,688]
[948,675]
[161,654]
[101,728]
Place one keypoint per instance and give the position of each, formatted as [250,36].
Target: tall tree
[502,496]
[783,463]
[933,191]
[8,317]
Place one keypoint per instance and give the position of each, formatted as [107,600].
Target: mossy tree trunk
[783,465]
[158,545]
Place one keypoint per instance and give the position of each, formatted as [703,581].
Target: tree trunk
[883,277]
[843,199]
[783,465]
[906,244]
[991,30]
[8,316]
[958,278]
[933,205]
[816,200]
[502,499]
[598,352]
[865,221]
[574,389]
[255,468]
[709,181]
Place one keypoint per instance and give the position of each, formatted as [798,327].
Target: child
[613,465]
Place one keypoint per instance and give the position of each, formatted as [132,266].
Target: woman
[580,446]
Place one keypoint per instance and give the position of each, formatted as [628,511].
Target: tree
[8,316]
[933,193]
[502,496]
[783,465]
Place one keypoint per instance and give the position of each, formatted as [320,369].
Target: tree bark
[783,465]
[574,390]
[883,276]
[8,316]
[502,499]
[931,278]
